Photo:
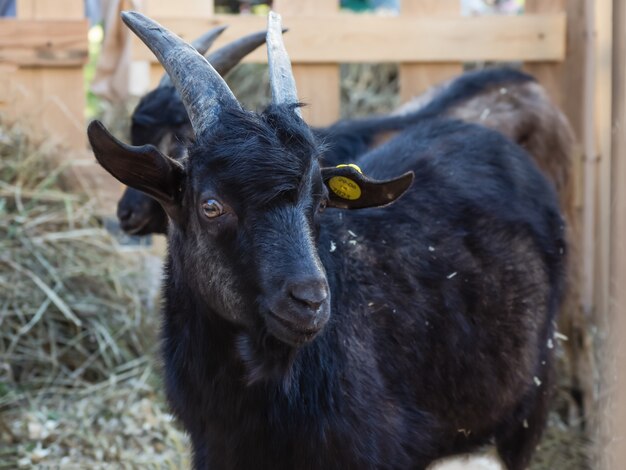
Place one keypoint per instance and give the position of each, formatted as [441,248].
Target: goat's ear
[143,168]
[348,188]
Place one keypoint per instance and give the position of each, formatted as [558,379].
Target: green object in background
[355,5]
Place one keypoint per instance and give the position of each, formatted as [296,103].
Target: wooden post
[605,226]
[52,99]
[603,128]
[563,81]
[414,78]
[550,75]
[597,220]
[318,84]
[614,433]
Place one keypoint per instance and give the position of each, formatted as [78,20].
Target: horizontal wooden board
[51,10]
[178,9]
[43,43]
[342,38]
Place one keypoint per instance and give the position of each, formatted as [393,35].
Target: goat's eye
[322,205]
[212,208]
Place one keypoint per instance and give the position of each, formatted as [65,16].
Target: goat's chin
[266,359]
[288,332]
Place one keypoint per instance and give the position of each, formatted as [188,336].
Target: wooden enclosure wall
[429,39]
[615,431]
[42,53]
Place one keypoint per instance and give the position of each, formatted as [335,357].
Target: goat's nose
[124,214]
[311,293]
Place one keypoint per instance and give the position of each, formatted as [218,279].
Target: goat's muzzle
[138,214]
[299,310]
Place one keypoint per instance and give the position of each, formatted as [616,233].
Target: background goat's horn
[203,91]
[282,83]
[226,57]
[202,45]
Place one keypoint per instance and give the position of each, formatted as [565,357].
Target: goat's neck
[225,349]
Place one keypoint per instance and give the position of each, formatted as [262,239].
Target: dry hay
[77,385]
[365,89]
[368,89]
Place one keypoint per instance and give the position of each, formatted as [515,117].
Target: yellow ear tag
[350,165]
[344,187]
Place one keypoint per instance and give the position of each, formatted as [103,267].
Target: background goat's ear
[348,188]
[143,168]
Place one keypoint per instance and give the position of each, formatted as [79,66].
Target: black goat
[160,119]
[380,338]
[506,100]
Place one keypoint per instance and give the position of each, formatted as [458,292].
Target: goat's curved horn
[226,57]
[282,82]
[203,91]
[202,45]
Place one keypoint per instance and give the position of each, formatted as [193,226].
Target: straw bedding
[77,329]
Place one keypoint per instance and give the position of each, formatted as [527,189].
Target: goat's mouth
[291,332]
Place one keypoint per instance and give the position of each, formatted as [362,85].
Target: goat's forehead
[255,174]
[255,156]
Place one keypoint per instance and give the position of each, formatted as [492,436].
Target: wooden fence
[429,39]
[42,54]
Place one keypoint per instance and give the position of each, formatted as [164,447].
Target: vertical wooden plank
[603,127]
[603,113]
[597,142]
[52,99]
[414,78]
[549,75]
[563,81]
[318,84]
[615,434]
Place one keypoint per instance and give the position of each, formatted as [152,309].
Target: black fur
[159,111]
[440,306]
[161,114]
[348,139]
[160,119]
